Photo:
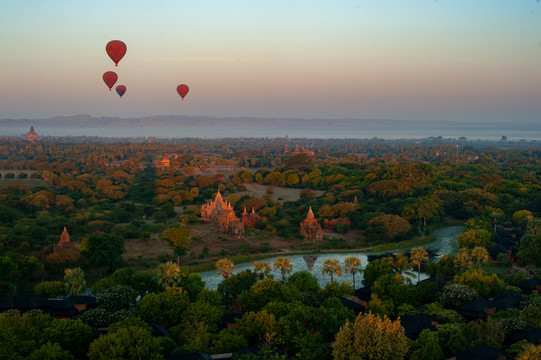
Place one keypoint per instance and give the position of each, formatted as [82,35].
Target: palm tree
[331,267]
[284,264]
[74,281]
[353,265]
[225,266]
[479,255]
[169,275]
[417,256]
[401,264]
[262,268]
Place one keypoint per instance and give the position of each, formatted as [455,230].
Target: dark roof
[190,356]
[158,330]
[533,336]
[352,305]
[364,293]
[20,302]
[480,353]
[529,284]
[497,249]
[83,299]
[474,309]
[534,207]
[507,299]
[58,307]
[414,324]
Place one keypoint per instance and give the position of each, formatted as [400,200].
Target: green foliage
[50,351]
[72,335]
[375,269]
[127,343]
[236,284]
[165,308]
[28,266]
[74,281]
[304,282]
[129,321]
[428,347]
[103,251]
[101,317]
[228,340]
[117,297]
[265,291]
[477,279]
[370,337]
[49,288]
[457,294]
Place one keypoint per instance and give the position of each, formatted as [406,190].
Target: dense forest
[125,285]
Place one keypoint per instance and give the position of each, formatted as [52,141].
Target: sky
[462,60]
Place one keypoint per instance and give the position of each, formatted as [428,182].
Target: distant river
[217,132]
[445,243]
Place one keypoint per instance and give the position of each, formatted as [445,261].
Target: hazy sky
[467,60]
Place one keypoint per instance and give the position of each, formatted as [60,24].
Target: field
[280,194]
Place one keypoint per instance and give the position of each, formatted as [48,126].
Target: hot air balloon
[110,78]
[116,50]
[121,89]
[182,90]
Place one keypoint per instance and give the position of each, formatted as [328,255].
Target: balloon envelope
[182,90]
[110,78]
[116,50]
[120,89]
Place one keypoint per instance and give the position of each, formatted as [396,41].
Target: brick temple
[310,228]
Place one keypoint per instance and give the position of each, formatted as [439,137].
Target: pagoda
[164,162]
[220,212]
[31,136]
[250,219]
[64,243]
[310,228]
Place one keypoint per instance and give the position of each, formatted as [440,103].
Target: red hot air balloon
[121,89]
[116,50]
[182,90]
[110,78]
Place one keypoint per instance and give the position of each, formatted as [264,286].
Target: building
[250,219]
[165,162]
[64,243]
[31,136]
[220,212]
[310,228]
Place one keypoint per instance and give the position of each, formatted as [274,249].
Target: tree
[284,264]
[7,266]
[50,351]
[425,208]
[394,224]
[28,266]
[401,264]
[49,288]
[73,335]
[332,267]
[169,275]
[463,259]
[370,337]
[178,238]
[477,279]
[262,268]
[375,269]
[74,281]
[353,265]
[103,250]
[127,343]
[225,267]
[479,255]
[165,308]
[473,238]
[532,352]
[428,347]
[417,256]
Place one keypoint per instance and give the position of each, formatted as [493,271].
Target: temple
[250,219]
[64,243]
[302,151]
[220,212]
[310,228]
[31,136]
[164,162]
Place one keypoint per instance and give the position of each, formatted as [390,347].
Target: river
[445,243]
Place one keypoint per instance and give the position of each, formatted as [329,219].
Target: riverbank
[442,237]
